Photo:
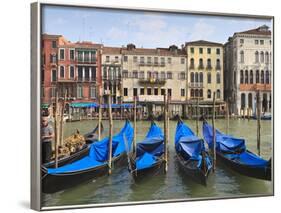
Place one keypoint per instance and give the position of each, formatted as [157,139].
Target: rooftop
[203,43]
[262,30]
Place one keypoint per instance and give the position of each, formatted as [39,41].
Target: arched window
[218,94]
[242,56]
[192,63]
[243,100]
[257,76]
[209,64]
[201,93]
[262,57]
[262,77]
[192,77]
[209,93]
[196,78]
[251,77]
[209,78]
[218,78]
[257,57]
[192,92]
[246,77]
[218,65]
[241,77]
[250,100]
[196,93]
[201,66]
[267,77]
[201,77]
[266,58]
[62,71]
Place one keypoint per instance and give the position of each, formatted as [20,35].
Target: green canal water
[119,187]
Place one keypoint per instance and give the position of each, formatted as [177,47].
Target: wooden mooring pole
[214,132]
[227,117]
[99,119]
[61,118]
[135,125]
[258,124]
[110,135]
[197,116]
[165,133]
[56,130]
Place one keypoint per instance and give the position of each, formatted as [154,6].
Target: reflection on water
[120,187]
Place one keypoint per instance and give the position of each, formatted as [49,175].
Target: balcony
[209,67]
[191,66]
[152,81]
[218,67]
[195,85]
[201,67]
[255,87]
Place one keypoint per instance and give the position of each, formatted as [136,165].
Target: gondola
[89,138]
[93,165]
[149,157]
[233,153]
[191,155]
[266,117]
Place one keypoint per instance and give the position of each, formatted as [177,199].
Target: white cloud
[116,34]
[201,31]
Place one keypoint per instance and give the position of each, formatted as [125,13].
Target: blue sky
[144,29]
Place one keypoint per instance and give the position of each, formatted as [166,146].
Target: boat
[93,165]
[265,116]
[80,153]
[191,154]
[148,160]
[233,153]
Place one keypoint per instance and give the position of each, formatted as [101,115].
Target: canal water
[119,187]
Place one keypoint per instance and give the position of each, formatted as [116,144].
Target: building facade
[74,68]
[248,67]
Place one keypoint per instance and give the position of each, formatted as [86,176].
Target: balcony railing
[201,66]
[152,81]
[218,67]
[196,85]
[191,66]
[209,67]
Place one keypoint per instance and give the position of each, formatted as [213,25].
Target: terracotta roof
[111,50]
[82,44]
[156,51]
[45,35]
[262,30]
[203,43]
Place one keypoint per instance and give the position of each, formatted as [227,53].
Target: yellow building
[205,70]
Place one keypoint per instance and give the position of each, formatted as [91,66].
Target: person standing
[47,135]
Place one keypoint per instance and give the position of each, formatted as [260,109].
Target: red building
[71,67]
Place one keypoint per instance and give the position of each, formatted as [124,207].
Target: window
[79,91]
[191,63]
[61,54]
[155,60]
[54,44]
[93,57]
[135,59]
[257,76]
[201,66]
[246,77]
[125,91]
[71,72]
[86,56]
[142,60]
[196,93]
[125,74]
[93,73]
[266,58]
[201,77]
[192,77]
[135,92]
[141,91]
[163,75]
[87,74]
[267,77]
[135,74]
[209,65]
[162,61]
[80,56]
[262,77]
[53,58]
[125,58]
[62,71]
[148,91]
[182,76]
[169,75]
[93,92]
[71,54]
[196,78]
[182,60]
[155,91]
[218,78]
[155,75]
[162,91]
[241,77]
[116,58]
[201,93]
[234,77]
[54,75]
[149,74]
[209,93]
[107,58]
[218,94]
[218,65]
[141,74]
[257,57]
[261,42]
[169,60]
[192,50]
[218,51]
[241,41]
[182,92]
[256,41]
[209,50]
[80,73]
[262,57]
[241,56]
[149,60]
[169,92]
[209,78]
[192,93]
[201,50]
[251,77]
